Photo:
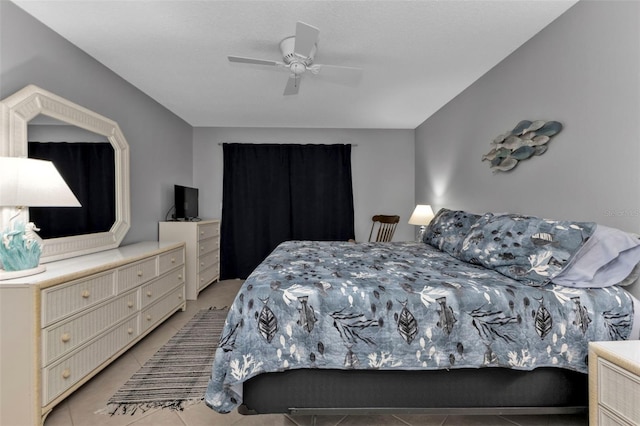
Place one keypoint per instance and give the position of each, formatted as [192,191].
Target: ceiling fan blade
[337,74]
[293,85]
[253,61]
[306,38]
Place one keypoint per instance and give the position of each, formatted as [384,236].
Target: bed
[489,314]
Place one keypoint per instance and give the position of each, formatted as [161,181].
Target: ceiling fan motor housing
[289,56]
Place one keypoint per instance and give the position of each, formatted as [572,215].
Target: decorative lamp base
[8,275]
[421,231]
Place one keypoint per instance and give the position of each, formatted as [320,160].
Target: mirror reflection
[86,162]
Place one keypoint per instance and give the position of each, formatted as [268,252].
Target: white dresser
[202,241]
[614,383]
[61,327]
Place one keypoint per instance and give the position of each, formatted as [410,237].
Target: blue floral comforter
[403,306]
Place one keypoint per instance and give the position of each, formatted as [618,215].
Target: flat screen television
[186,202]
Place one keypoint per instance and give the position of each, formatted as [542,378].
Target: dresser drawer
[67,372]
[137,273]
[208,260]
[205,277]
[63,300]
[153,291]
[619,391]
[607,418]
[170,260]
[208,230]
[207,246]
[64,337]
[150,316]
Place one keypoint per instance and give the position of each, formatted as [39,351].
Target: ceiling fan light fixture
[297,68]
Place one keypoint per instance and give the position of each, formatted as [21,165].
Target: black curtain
[89,170]
[274,193]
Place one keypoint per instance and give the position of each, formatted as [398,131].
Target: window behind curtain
[279,192]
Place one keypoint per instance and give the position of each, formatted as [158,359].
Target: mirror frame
[17,110]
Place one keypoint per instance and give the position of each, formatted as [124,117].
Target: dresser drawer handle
[173,260]
[65,337]
[202,232]
[180,277]
[130,303]
[148,317]
[130,330]
[139,273]
[201,263]
[86,294]
[66,373]
[149,294]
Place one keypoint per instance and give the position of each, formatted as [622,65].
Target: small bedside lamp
[422,215]
[26,182]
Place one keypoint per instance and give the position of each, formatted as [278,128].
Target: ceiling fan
[298,52]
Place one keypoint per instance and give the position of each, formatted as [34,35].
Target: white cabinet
[202,241]
[614,383]
[61,327]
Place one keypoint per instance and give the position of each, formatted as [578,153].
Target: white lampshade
[422,215]
[26,182]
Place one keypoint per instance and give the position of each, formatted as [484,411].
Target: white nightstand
[614,383]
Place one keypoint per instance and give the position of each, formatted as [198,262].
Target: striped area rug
[178,374]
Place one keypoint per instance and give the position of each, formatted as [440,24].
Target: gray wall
[584,71]
[382,168]
[160,142]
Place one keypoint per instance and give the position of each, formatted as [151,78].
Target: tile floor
[80,408]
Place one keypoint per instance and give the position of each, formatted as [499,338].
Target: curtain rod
[352,144]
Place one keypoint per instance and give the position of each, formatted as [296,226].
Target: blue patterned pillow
[525,248]
[448,228]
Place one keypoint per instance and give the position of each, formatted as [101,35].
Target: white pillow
[608,258]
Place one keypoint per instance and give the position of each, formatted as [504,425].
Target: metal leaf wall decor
[527,139]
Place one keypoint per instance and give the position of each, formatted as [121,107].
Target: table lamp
[422,215]
[27,182]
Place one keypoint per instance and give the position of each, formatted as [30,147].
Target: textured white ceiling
[416,55]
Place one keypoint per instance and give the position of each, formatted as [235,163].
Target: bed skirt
[461,391]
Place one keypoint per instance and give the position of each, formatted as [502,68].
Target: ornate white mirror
[27,114]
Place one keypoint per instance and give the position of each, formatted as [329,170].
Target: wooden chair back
[386,227]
